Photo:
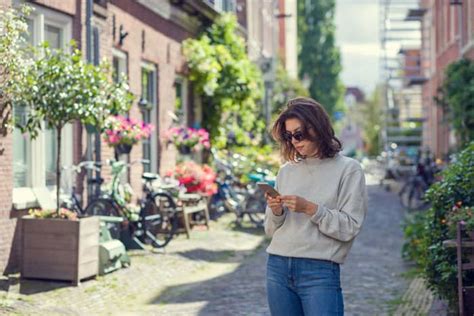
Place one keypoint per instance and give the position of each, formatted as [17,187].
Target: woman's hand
[274,204]
[298,204]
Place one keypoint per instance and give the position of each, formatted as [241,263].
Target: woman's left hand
[298,204]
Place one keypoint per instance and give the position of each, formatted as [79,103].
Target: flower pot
[59,249]
[184,150]
[123,149]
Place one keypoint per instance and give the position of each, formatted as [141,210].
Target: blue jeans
[300,286]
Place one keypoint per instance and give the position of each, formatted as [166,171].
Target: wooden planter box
[58,249]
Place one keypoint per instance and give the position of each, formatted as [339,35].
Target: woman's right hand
[274,204]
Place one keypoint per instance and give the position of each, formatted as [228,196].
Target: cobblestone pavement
[372,274]
[222,272]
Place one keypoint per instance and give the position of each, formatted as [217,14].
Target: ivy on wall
[457,98]
[229,84]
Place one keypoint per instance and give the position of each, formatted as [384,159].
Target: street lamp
[143,104]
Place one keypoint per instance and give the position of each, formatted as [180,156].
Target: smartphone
[265,187]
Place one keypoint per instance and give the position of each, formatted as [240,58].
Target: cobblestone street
[222,272]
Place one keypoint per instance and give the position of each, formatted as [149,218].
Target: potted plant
[195,178]
[61,88]
[187,139]
[57,245]
[122,133]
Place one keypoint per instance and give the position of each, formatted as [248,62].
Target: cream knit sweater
[337,185]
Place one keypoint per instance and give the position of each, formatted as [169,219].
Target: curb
[417,300]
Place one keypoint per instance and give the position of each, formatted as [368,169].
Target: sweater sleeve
[344,222]
[272,221]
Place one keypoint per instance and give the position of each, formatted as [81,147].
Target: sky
[357,35]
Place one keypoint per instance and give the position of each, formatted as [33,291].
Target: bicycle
[157,218]
[234,196]
[72,200]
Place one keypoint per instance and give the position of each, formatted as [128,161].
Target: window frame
[184,95]
[25,197]
[153,112]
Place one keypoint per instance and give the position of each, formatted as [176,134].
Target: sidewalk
[140,288]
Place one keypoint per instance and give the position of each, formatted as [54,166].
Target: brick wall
[163,49]
[7,224]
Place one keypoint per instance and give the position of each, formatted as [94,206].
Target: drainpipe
[89,153]
[460,25]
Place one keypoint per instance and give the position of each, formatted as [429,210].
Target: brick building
[141,39]
[448,34]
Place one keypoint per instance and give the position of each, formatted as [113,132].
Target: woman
[313,222]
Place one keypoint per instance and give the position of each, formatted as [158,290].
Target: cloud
[362,49]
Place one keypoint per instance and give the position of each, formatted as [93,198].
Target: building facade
[141,39]
[448,35]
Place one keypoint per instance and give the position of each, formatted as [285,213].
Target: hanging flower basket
[187,139]
[123,149]
[123,132]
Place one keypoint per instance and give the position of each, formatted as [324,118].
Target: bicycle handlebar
[87,164]
[128,164]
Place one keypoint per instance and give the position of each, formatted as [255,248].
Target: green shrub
[456,186]
[414,230]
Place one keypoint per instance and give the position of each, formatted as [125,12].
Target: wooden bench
[463,246]
[193,204]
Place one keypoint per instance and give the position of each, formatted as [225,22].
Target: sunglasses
[298,136]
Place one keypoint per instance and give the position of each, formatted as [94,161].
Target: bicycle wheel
[417,199]
[255,209]
[105,207]
[101,207]
[405,195]
[159,223]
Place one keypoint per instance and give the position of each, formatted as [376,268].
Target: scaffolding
[402,72]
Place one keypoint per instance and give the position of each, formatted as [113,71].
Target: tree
[370,117]
[319,58]
[13,61]
[60,87]
[230,85]
[285,88]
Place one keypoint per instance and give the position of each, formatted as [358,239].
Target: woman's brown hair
[313,116]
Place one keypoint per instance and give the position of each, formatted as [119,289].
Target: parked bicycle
[412,193]
[71,199]
[243,199]
[156,219]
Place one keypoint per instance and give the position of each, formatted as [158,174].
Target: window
[119,63]
[148,106]
[120,67]
[181,104]
[35,160]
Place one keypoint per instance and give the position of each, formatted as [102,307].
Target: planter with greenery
[57,245]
